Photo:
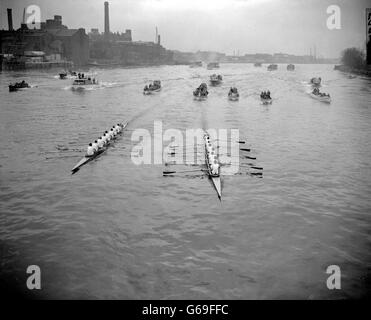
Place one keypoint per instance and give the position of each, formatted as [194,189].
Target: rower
[95,145]
[100,142]
[112,133]
[108,136]
[90,152]
[105,139]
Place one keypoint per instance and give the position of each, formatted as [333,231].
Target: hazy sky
[247,26]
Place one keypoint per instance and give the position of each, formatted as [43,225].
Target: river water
[119,230]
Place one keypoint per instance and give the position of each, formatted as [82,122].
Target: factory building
[53,39]
[120,49]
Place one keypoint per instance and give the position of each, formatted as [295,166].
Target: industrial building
[51,45]
[120,49]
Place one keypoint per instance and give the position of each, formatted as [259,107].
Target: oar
[256,173]
[252,158]
[239,141]
[245,149]
[256,168]
[172,172]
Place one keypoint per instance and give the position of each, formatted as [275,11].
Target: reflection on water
[116,230]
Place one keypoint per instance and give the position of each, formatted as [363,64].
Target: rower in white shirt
[90,152]
[95,145]
[100,143]
[111,132]
[108,136]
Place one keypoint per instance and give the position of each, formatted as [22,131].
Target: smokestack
[106,19]
[159,40]
[10,19]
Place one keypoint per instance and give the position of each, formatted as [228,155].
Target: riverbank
[347,69]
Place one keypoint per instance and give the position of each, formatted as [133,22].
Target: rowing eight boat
[215,178]
[87,159]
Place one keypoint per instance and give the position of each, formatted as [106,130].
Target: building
[110,48]
[53,38]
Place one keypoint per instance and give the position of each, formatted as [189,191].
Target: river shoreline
[348,69]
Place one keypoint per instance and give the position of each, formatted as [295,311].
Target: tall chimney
[159,40]
[10,19]
[106,19]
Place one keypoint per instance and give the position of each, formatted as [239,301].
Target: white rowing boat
[215,178]
[87,159]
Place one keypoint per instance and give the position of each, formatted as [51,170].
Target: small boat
[196,64]
[213,65]
[315,81]
[87,159]
[290,67]
[216,79]
[272,67]
[321,97]
[82,83]
[257,64]
[63,75]
[201,92]
[152,88]
[233,94]
[215,178]
[18,85]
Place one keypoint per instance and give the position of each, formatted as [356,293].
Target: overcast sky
[247,26]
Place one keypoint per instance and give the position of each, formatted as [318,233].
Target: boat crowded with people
[201,92]
[155,86]
[257,64]
[290,67]
[316,81]
[63,75]
[82,82]
[272,67]
[320,96]
[233,94]
[265,97]
[100,145]
[18,85]
[216,79]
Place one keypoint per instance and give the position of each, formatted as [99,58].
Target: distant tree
[353,57]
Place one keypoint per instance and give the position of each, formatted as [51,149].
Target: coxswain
[215,168]
[90,152]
